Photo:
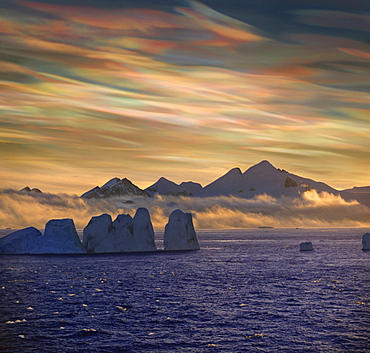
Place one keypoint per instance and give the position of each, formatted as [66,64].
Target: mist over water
[312,209]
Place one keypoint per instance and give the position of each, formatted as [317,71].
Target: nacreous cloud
[84,88]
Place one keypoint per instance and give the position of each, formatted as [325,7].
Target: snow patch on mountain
[113,188]
[164,186]
[229,184]
[360,194]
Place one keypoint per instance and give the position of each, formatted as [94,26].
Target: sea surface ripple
[244,291]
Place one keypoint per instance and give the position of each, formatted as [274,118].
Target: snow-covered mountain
[360,194]
[164,186]
[115,187]
[229,184]
[262,178]
[33,190]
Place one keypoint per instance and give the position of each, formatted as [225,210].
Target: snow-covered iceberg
[366,241]
[179,233]
[306,246]
[60,237]
[143,231]
[125,234]
[22,241]
[101,235]
[96,234]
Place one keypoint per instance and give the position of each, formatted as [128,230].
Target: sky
[91,90]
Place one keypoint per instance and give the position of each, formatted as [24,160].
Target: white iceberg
[60,237]
[143,231]
[305,246]
[121,234]
[125,234]
[96,235]
[366,241]
[22,241]
[179,233]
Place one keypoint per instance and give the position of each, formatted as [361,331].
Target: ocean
[246,290]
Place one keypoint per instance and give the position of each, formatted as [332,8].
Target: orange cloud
[18,210]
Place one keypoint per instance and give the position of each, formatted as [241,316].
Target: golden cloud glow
[19,210]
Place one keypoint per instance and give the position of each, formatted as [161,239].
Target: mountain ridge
[261,178]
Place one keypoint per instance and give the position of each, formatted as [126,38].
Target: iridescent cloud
[185,92]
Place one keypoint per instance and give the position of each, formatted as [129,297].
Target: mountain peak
[28,189]
[225,184]
[115,187]
[265,164]
[235,171]
[261,167]
[111,182]
[163,179]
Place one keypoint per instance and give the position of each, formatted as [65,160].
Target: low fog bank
[312,209]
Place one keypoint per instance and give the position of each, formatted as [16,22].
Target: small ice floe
[120,308]
[362,303]
[256,335]
[16,321]
[306,246]
[366,241]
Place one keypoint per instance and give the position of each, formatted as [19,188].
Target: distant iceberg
[306,246]
[366,241]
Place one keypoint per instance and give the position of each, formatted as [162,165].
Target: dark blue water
[244,291]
